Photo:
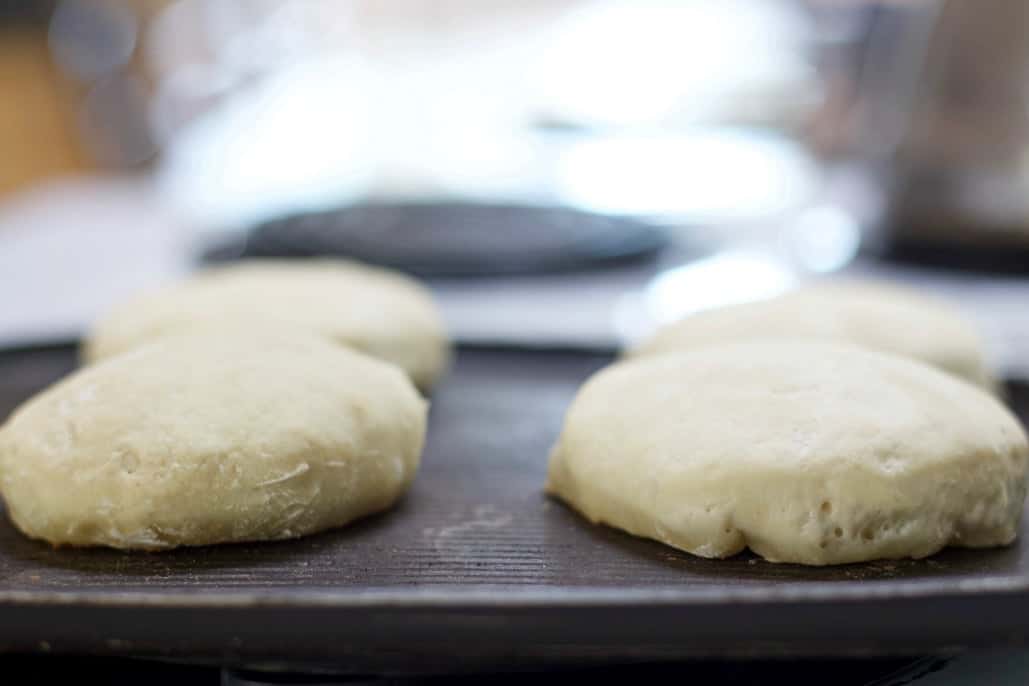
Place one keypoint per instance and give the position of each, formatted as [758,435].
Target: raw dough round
[873,315]
[378,311]
[808,452]
[201,439]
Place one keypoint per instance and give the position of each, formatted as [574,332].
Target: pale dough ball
[816,453]
[378,311]
[874,315]
[200,439]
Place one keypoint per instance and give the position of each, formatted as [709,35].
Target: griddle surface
[476,567]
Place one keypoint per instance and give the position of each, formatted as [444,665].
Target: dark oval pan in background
[455,239]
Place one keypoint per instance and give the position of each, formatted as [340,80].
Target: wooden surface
[38,133]
[476,567]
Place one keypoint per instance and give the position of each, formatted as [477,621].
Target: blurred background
[563,172]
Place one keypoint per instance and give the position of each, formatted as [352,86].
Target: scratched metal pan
[476,568]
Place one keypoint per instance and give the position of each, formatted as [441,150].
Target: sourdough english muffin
[806,452]
[377,311]
[221,437]
[882,317]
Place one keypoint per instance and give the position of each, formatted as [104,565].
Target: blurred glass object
[940,118]
[706,175]
[112,121]
[689,108]
[199,52]
[90,39]
[93,43]
[455,99]
[263,109]
[296,141]
[618,63]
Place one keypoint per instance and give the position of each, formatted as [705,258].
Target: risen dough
[807,452]
[377,311]
[874,315]
[195,439]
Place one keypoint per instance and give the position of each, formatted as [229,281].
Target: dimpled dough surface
[207,439]
[804,452]
[870,314]
[378,311]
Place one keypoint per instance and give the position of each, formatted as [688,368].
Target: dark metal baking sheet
[477,568]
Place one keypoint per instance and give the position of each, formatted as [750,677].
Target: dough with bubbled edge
[202,439]
[876,315]
[377,311]
[806,452]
